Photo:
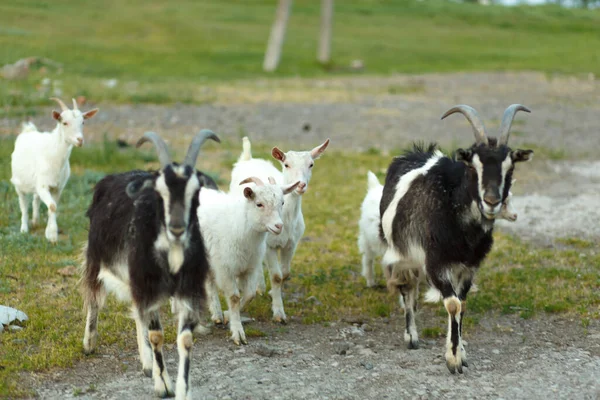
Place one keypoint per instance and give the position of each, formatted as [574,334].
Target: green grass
[516,278]
[175,51]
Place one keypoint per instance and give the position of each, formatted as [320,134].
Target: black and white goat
[145,245]
[437,217]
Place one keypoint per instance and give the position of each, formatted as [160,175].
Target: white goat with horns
[40,163]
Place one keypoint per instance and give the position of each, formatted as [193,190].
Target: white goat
[297,166]
[235,232]
[370,244]
[40,163]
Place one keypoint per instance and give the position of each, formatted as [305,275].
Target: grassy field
[162,52]
[516,278]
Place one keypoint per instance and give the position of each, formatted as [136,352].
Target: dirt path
[547,357]
[509,358]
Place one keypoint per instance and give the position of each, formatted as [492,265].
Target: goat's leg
[261,286]
[50,201]
[235,321]
[453,307]
[35,205]
[212,292]
[287,253]
[465,285]
[276,283]
[144,347]
[162,382]
[187,323]
[24,211]
[409,290]
[93,304]
[367,267]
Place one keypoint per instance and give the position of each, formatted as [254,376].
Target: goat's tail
[372,180]
[246,150]
[29,127]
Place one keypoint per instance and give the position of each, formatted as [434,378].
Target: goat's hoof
[24,230]
[465,363]
[147,372]
[413,344]
[454,365]
[279,317]
[163,394]
[88,352]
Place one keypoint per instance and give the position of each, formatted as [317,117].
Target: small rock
[495,351]
[265,351]
[314,300]
[15,328]
[341,348]
[367,365]
[366,328]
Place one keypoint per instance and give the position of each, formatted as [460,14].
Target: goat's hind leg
[162,382]
[187,323]
[35,205]
[94,296]
[407,281]
[144,347]
[24,210]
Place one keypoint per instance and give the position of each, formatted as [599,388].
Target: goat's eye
[259,205]
[65,123]
[286,165]
[311,165]
[283,203]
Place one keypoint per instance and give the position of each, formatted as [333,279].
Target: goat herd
[171,234]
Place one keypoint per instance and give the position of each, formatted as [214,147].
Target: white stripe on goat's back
[402,187]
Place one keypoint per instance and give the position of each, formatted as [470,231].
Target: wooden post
[324,52]
[277,36]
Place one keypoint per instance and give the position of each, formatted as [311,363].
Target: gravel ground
[545,357]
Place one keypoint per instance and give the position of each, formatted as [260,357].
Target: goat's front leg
[187,323]
[144,347]
[24,211]
[465,286]
[235,321]
[276,284]
[368,271]
[50,200]
[162,382]
[214,305]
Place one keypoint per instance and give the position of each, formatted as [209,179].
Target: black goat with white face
[437,217]
[145,246]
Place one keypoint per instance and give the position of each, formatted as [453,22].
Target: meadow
[187,52]
[41,279]
[158,52]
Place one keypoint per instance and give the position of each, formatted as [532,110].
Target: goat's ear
[206,181]
[134,188]
[463,155]
[278,154]
[317,151]
[521,155]
[56,116]
[290,188]
[90,114]
[248,193]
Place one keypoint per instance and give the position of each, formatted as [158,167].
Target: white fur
[296,167]
[235,229]
[370,244]
[40,165]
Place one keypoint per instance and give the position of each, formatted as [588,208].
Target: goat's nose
[79,142]
[177,230]
[302,185]
[279,226]
[491,200]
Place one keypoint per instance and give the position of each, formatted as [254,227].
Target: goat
[145,245]
[370,244]
[40,164]
[235,231]
[437,218]
[297,166]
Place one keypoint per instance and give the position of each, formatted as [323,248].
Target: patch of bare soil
[546,357]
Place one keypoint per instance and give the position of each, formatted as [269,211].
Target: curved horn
[75,105]
[161,147]
[473,117]
[253,179]
[507,120]
[63,106]
[197,142]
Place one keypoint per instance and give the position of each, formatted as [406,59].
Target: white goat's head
[71,121]
[297,165]
[266,204]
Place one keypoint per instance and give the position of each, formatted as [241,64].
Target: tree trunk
[277,36]
[324,52]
